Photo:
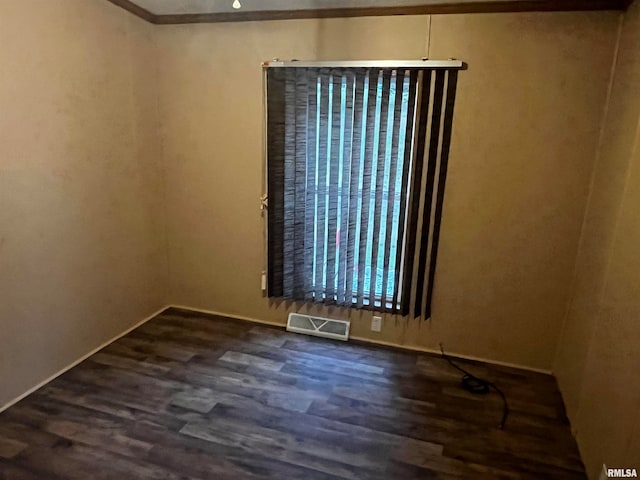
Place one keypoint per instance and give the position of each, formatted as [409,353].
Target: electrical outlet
[376,324]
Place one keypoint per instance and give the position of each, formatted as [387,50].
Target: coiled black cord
[479,386]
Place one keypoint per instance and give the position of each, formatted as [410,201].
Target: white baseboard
[230,315]
[456,355]
[79,360]
[377,342]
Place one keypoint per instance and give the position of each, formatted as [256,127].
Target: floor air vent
[318,326]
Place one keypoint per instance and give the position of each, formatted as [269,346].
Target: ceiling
[199,11]
[173,7]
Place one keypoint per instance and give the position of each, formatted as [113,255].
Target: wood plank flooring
[189,396]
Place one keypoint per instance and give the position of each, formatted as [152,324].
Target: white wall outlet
[376,324]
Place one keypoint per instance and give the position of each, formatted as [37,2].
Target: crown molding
[441,8]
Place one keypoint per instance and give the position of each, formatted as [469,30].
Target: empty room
[319,239]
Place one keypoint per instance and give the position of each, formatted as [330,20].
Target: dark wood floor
[193,397]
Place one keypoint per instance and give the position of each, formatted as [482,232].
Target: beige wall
[81,238]
[526,129]
[598,356]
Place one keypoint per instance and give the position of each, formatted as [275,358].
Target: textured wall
[525,137]
[81,237]
[83,251]
[598,355]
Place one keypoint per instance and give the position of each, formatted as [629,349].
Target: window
[353,217]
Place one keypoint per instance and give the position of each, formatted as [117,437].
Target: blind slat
[299,185]
[371,89]
[345,193]
[333,165]
[289,184]
[380,168]
[452,79]
[406,166]
[357,160]
[320,187]
[310,125]
[388,218]
[275,180]
[432,165]
[415,189]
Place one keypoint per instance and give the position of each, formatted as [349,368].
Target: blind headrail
[450,64]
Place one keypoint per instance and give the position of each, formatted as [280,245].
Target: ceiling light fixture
[236,4]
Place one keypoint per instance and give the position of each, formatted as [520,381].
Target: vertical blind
[356,169]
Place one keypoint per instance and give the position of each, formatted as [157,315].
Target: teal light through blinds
[356,163]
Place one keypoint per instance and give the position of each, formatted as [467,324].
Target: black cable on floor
[479,386]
